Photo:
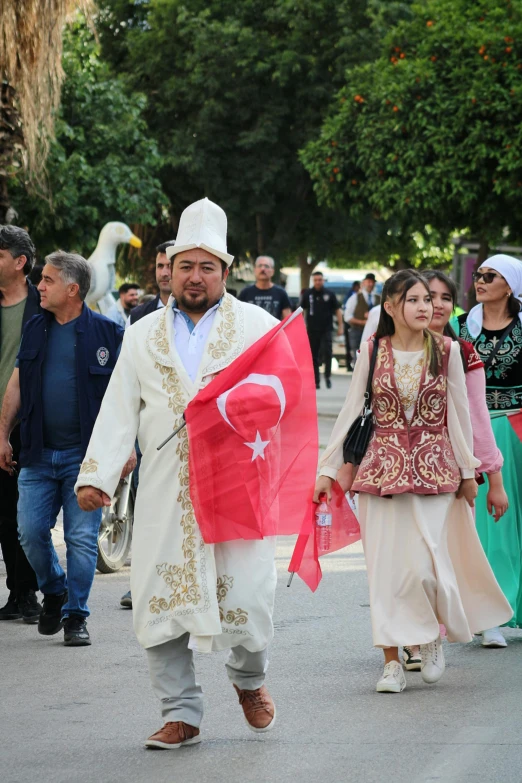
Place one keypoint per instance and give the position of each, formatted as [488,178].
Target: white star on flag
[258,447]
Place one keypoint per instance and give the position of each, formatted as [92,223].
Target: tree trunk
[304,266]
[260,233]
[11,141]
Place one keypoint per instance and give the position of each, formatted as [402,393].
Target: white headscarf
[511,270]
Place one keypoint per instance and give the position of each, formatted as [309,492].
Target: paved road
[82,714]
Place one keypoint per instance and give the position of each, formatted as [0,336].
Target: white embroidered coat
[222,594]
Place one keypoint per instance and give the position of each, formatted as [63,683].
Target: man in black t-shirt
[264,293]
[320,306]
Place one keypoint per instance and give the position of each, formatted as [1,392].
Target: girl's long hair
[397,287]
[434,274]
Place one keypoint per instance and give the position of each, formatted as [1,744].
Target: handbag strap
[505,334]
[368,392]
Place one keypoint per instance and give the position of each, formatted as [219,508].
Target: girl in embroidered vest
[416,487]
[495,329]
[444,297]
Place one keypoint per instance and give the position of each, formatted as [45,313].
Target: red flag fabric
[516,423]
[253,441]
[345,531]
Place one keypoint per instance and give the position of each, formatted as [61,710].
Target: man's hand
[130,464]
[6,456]
[468,490]
[91,498]
[323,485]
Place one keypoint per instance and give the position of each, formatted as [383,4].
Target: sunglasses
[487,277]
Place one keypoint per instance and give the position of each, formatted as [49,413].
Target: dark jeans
[45,487]
[355,339]
[348,351]
[20,575]
[321,347]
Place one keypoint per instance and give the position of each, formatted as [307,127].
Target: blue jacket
[97,347]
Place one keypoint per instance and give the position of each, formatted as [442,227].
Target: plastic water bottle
[323,525]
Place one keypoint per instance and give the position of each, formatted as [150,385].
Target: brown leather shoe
[173,735]
[258,707]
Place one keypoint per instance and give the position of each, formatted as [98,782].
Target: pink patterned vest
[403,456]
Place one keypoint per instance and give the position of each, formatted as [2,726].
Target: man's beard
[199,305]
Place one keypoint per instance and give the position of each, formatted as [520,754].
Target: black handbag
[356,441]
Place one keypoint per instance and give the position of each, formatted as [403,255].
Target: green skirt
[502,541]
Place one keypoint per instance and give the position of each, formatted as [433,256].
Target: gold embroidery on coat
[89,466]
[182,579]
[226,331]
[229,616]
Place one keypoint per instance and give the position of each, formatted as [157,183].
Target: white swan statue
[103,262]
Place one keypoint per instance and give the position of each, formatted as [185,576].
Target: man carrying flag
[190,593]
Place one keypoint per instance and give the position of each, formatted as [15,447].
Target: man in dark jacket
[163,275]
[19,301]
[64,365]
[321,305]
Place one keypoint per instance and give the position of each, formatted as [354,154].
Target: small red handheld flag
[345,531]
[253,442]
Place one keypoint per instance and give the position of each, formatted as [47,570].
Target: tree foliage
[431,133]
[30,79]
[235,91]
[102,166]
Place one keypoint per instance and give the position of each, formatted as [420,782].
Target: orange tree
[431,132]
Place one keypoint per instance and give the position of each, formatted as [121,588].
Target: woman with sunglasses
[494,327]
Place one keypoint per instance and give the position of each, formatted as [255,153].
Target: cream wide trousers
[426,566]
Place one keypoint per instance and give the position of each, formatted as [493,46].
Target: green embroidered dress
[502,541]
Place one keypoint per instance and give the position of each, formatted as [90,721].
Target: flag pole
[173,434]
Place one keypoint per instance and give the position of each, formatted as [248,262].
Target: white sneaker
[411,658]
[433,665]
[493,638]
[392,680]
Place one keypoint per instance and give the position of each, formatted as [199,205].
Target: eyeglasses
[488,277]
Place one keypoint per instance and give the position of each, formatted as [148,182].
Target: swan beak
[135,241]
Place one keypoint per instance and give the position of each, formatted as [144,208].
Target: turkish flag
[253,442]
[345,531]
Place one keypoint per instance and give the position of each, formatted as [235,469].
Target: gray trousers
[173,677]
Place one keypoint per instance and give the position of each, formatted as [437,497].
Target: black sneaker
[75,633]
[11,611]
[29,607]
[412,658]
[50,620]
[126,600]
[328,383]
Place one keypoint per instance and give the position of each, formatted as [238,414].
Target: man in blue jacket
[64,365]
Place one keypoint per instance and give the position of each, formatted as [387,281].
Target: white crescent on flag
[259,445]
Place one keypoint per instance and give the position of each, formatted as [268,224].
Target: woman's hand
[323,485]
[468,490]
[497,499]
[346,476]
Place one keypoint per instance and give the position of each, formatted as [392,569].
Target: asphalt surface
[82,714]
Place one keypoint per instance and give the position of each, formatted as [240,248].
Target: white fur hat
[202,224]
